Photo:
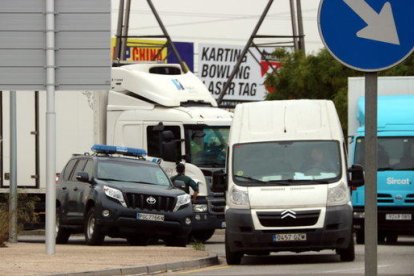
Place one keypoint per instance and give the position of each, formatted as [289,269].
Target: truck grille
[410,198]
[298,218]
[385,198]
[217,204]
[143,202]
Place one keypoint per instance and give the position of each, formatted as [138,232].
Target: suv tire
[202,236]
[93,231]
[62,234]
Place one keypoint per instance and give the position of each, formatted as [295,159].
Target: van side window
[154,139]
[79,168]
[69,169]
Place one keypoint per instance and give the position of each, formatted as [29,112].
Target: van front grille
[290,219]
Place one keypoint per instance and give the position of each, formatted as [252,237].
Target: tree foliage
[320,76]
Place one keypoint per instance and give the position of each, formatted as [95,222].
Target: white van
[287,180]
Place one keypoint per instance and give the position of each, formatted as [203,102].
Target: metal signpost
[54,45]
[369,36]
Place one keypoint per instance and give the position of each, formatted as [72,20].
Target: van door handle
[63,188]
[75,189]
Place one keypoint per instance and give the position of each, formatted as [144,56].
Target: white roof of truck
[169,90]
[285,121]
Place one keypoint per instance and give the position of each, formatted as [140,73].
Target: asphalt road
[395,259]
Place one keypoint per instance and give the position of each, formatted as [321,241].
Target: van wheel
[62,234]
[134,240]
[180,241]
[202,236]
[347,254]
[93,231]
[360,237]
[232,258]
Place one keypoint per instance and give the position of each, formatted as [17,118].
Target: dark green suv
[117,192]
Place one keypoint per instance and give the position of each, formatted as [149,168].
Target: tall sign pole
[368,36]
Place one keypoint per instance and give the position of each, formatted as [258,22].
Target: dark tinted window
[154,139]
[68,169]
[79,168]
[89,167]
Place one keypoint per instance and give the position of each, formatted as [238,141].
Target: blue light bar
[118,150]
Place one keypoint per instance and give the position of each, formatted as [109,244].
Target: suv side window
[153,140]
[89,167]
[79,168]
[69,169]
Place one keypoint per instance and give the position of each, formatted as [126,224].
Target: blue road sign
[367,35]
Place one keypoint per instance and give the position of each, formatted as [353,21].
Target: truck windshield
[127,171]
[394,153]
[206,145]
[286,163]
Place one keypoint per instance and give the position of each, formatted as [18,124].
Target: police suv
[117,192]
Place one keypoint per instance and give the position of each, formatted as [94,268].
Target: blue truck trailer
[395,176]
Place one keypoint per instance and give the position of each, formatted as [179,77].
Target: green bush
[25,213]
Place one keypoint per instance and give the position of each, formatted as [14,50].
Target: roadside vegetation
[25,214]
[320,76]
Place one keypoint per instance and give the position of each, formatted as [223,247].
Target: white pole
[13,170]
[50,129]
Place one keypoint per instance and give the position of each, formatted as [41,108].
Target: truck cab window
[154,140]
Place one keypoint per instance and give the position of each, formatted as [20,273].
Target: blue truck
[395,172]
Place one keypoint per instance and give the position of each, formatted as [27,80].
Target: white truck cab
[173,116]
[287,180]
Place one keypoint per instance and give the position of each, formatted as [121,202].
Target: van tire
[232,258]
[347,254]
[93,231]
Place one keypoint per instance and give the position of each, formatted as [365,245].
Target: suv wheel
[62,234]
[202,236]
[93,232]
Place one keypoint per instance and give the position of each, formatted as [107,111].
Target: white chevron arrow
[380,26]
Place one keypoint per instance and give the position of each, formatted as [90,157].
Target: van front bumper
[242,237]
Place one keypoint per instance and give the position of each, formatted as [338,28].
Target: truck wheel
[381,238]
[232,258]
[360,237]
[62,234]
[202,236]
[93,232]
[391,238]
[134,240]
[347,254]
[180,241]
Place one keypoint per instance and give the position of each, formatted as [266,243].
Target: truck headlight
[182,200]
[338,195]
[239,198]
[115,194]
[200,208]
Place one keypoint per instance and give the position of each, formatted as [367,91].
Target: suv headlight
[182,200]
[239,198]
[338,195]
[200,208]
[115,194]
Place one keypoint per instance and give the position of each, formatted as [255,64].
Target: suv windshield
[207,146]
[394,153]
[127,171]
[286,163]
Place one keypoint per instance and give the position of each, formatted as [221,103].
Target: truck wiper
[250,178]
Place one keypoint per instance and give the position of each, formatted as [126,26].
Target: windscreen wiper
[110,179]
[385,169]
[250,178]
[298,181]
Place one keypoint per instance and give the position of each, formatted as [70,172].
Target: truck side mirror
[179,184]
[219,184]
[83,177]
[357,176]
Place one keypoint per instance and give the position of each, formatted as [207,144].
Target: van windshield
[286,163]
[393,153]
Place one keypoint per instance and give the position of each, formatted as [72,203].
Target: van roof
[285,120]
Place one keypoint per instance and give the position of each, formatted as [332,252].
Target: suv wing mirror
[357,176]
[83,177]
[179,184]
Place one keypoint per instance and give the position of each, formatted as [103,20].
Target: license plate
[289,237]
[398,217]
[151,217]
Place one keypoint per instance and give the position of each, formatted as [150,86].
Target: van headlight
[115,194]
[239,198]
[182,200]
[338,195]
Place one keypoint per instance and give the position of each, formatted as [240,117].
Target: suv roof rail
[127,151]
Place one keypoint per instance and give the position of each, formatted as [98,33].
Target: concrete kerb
[151,269]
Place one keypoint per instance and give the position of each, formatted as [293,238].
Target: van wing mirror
[83,177]
[179,184]
[357,176]
[219,184]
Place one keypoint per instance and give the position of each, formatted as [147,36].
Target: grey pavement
[114,257]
